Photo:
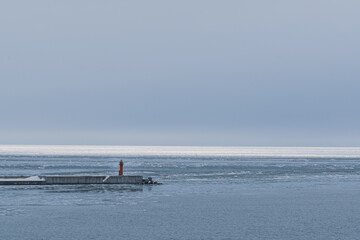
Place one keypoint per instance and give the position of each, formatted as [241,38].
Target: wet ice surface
[203,197]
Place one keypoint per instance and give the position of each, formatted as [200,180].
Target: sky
[199,72]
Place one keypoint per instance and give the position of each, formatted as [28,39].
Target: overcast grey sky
[199,72]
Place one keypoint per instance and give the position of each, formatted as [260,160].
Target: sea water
[207,193]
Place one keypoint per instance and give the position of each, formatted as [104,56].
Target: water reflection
[93,188]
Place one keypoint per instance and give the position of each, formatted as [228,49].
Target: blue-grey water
[210,193]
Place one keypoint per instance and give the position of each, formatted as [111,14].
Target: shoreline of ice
[179,151]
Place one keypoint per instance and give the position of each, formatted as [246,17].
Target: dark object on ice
[150,181]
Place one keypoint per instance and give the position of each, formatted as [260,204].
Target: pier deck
[70,180]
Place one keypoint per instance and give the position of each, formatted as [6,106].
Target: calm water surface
[208,193]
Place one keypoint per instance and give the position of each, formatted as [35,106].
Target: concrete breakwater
[62,180]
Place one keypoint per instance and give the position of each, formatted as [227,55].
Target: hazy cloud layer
[180,72]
